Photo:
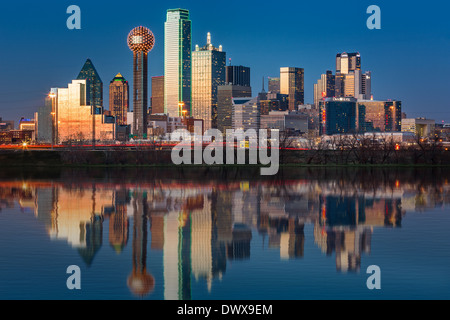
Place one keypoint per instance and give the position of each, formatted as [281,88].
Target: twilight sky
[408,57]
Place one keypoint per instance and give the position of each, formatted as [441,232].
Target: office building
[324,88]
[421,127]
[158,95]
[140,41]
[237,75]
[76,121]
[348,62]
[340,116]
[177,63]
[95,84]
[245,114]
[208,72]
[382,116]
[292,84]
[225,95]
[274,85]
[119,99]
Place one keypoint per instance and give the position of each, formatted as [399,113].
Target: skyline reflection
[202,227]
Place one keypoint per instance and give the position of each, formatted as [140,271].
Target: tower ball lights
[140,41]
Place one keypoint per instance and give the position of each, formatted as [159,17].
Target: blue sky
[408,57]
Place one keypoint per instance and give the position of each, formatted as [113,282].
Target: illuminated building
[158,95]
[292,84]
[340,116]
[141,42]
[324,88]
[208,72]
[94,84]
[6,125]
[274,85]
[237,75]
[347,62]
[177,63]
[382,116]
[225,95]
[245,114]
[119,99]
[421,127]
[78,121]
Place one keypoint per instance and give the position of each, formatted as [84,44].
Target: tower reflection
[139,281]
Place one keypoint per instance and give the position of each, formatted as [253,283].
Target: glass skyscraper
[95,84]
[118,99]
[208,72]
[292,83]
[177,63]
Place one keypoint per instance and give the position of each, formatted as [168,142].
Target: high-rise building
[140,41]
[158,95]
[347,62]
[208,72]
[119,99]
[225,95]
[340,116]
[76,120]
[382,116]
[95,84]
[177,63]
[246,114]
[292,84]
[324,88]
[274,85]
[237,75]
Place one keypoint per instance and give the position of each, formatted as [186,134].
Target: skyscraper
[141,42]
[225,95]
[208,72]
[119,99]
[237,75]
[158,95]
[347,62]
[324,88]
[95,84]
[177,63]
[274,85]
[292,84]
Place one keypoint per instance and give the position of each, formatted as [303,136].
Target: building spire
[208,39]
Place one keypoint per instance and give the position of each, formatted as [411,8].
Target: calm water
[225,234]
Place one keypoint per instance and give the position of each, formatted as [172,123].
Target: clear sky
[408,57]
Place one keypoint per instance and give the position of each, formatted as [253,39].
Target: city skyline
[21,97]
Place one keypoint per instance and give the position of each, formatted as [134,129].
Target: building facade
[158,95]
[237,76]
[382,116]
[208,72]
[177,63]
[225,95]
[95,84]
[246,114]
[119,99]
[292,84]
[340,116]
[76,121]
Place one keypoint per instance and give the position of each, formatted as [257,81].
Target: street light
[53,113]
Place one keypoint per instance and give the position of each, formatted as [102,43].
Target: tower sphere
[141,39]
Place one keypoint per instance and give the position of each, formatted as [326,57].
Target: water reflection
[200,226]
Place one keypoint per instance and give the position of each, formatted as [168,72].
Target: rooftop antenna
[263,89]
[230,62]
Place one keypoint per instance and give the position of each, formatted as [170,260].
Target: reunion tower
[141,42]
